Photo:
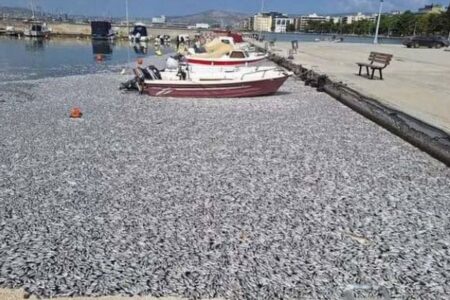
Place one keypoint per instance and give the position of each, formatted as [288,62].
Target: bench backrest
[381,58]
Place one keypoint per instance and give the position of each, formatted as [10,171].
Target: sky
[149,8]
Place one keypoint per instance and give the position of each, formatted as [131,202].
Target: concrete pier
[81,30]
[416,82]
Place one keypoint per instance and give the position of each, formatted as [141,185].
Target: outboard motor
[141,74]
[150,73]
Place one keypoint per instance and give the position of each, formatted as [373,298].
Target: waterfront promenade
[417,82]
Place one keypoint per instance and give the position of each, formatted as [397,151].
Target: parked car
[424,41]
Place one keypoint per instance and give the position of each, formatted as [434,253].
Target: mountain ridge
[208,16]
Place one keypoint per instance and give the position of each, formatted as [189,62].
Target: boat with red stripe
[204,83]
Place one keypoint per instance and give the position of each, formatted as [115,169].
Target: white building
[202,26]
[302,22]
[159,20]
[281,24]
[262,22]
[358,17]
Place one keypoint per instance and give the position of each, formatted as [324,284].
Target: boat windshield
[237,54]
[142,30]
[36,28]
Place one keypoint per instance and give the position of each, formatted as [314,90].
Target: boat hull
[216,90]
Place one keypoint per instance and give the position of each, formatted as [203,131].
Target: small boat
[37,30]
[139,33]
[186,82]
[11,31]
[102,30]
[233,58]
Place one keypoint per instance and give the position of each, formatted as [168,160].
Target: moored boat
[233,58]
[102,30]
[184,82]
[139,33]
[37,30]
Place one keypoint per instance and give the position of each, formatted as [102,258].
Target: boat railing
[258,71]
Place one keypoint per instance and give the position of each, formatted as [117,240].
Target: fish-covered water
[40,58]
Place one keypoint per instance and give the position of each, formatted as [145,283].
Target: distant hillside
[210,17]
[15,12]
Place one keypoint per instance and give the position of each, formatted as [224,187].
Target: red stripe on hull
[230,90]
[213,62]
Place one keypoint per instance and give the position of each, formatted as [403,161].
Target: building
[159,20]
[251,23]
[358,17]
[280,24]
[202,26]
[262,22]
[270,22]
[396,12]
[432,9]
[302,22]
[243,25]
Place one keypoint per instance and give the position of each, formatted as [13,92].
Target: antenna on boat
[262,11]
[126,12]
[32,9]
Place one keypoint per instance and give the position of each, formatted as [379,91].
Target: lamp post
[375,40]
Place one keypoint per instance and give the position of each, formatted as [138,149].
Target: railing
[259,71]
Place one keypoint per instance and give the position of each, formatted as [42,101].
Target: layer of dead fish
[291,196]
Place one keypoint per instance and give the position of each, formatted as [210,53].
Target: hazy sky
[140,8]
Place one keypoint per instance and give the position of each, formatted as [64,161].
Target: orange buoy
[140,61]
[99,57]
[75,113]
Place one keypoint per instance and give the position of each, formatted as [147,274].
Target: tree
[446,21]
[291,27]
[406,23]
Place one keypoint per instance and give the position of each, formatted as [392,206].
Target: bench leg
[381,74]
[360,68]
[373,73]
[367,71]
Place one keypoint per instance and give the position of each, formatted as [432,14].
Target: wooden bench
[378,61]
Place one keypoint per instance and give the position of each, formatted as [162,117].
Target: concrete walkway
[417,82]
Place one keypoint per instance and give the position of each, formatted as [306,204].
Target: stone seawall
[70,29]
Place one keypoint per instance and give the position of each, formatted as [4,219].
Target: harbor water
[39,58]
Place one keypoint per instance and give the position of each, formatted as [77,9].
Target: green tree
[423,24]
[445,17]
[291,27]
[406,23]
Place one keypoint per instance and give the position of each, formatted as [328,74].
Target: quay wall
[70,29]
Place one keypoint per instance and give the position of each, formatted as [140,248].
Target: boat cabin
[226,40]
[102,30]
[37,29]
[139,31]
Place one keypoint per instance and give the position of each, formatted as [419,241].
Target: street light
[375,40]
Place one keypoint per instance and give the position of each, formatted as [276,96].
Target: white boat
[37,30]
[139,33]
[233,58]
[102,30]
[230,83]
